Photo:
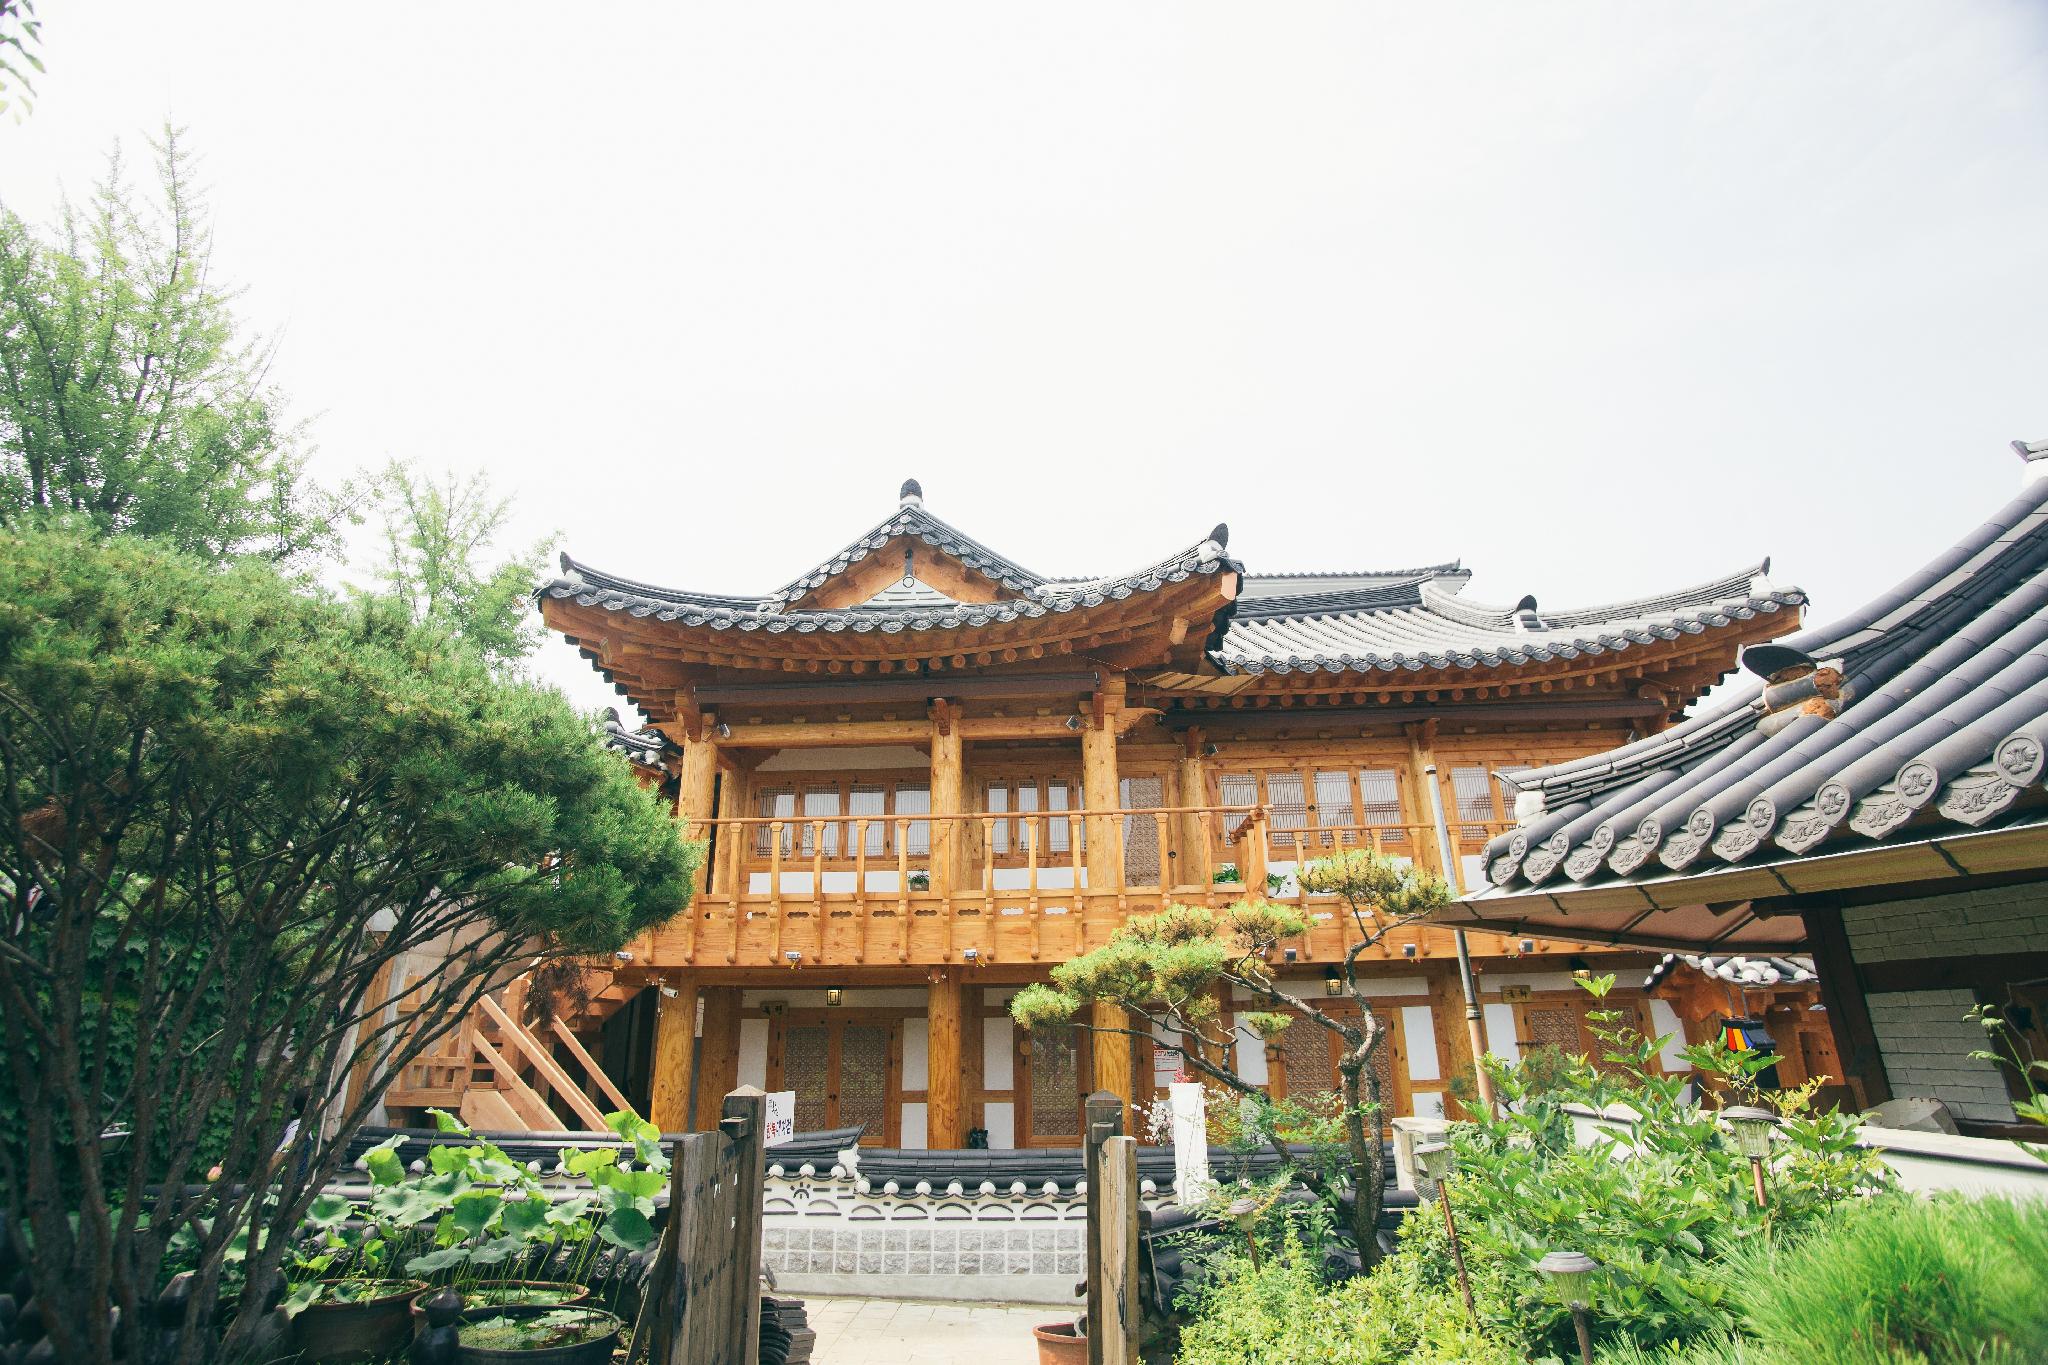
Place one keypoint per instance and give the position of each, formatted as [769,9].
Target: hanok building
[1874,797]
[926,774]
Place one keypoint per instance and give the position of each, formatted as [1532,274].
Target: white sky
[1604,299]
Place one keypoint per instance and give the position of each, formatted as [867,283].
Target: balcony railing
[1010,886]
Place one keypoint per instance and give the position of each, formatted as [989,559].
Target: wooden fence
[1113,1308]
[702,1301]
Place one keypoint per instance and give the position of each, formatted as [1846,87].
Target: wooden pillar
[718,1056]
[1447,1016]
[696,785]
[945,1076]
[947,783]
[1841,990]
[675,1036]
[1099,792]
[1421,758]
[1194,860]
[732,797]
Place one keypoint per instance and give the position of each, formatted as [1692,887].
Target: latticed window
[821,803]
[914,799]
[1379,795]
[774,805]
[871,802]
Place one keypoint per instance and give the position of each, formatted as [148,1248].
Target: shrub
[1279,1311]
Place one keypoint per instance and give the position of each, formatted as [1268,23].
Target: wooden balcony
[1015,888]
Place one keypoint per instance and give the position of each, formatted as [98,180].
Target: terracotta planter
[1059,1344]
[594,1352]
[355,1333]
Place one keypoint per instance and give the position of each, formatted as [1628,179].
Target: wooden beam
[718,1055]
[1016,685]
[1848,1013]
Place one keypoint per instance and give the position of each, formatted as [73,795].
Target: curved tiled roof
[1419,621]
[1927,706]
[592,588]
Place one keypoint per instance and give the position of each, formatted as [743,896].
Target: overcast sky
[1603,299]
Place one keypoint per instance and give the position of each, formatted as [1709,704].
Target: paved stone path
[907,1332]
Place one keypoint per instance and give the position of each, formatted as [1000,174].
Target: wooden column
[696,785]
[1194,861]
[1841,990]
[675,1036]
[1447,1014]
[718,1056]
[1422,757]
[947,784]
[945,1076]
[732,796]
[1099,791]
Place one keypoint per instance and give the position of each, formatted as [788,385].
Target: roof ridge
[1454,566]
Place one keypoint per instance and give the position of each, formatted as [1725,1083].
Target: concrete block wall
[2006,919]
[1926,1042]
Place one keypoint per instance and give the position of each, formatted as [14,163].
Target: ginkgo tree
[1164,972]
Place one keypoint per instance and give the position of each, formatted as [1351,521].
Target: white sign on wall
[781,1117]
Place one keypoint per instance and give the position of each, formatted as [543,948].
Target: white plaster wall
[1000,1118]
[1926,1042]
[913,1125]
[1663,1020]
[754,1053]
[917,1035]
[1418,1029]
[998,1054]
[1500,1031]
[1250,1055]
[1429,1104]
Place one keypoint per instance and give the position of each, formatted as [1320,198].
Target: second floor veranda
[796,889]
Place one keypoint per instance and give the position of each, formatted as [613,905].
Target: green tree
[1164,970]
[225,801]
[437,538]
[20,30]
[127,398]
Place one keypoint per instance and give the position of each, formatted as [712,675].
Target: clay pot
[1060,1344]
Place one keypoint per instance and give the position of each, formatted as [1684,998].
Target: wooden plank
[590,1067]
[545,1064]
[718,1054]
[531,1109]
[746,1128]
[488,1110]
[1117,1232]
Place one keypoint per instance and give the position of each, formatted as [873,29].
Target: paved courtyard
[907,1332]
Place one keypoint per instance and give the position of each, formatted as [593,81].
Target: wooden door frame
[834,1021]
[1401,1103]
[1026,1089]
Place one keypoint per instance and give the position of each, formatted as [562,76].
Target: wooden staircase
[495,1072]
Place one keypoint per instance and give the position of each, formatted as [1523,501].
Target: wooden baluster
[987,936]
[1207,857]
[1031,857]
[903,889]
[860,890]
[818,915]
[1076,910]
[1159,822]
[775,892]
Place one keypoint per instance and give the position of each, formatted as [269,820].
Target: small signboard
[781,1117]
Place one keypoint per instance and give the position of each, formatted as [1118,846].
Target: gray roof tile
[1941,717]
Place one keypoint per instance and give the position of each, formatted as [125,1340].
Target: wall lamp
[834,996]
[1073,722]
[1333,984]
[970,954]
[622,956]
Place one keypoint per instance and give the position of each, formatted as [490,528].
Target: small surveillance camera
[623,956]
[970,954]
[1288,954]
[1528,945]
[1409,950]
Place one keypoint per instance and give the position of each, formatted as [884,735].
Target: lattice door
[1305,1052]
[1141,832]
[1055,1088]
[863,1085]
[807,1069]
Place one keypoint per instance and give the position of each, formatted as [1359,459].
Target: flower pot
[376,1329]
[596,1350]
[474,1295]
[1060,1344]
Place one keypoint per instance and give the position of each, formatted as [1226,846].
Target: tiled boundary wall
[833,1232]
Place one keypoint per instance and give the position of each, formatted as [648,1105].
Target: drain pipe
[1474,1024]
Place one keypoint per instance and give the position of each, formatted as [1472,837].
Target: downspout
[1474,1027]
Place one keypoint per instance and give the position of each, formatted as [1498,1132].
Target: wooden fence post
[1118,1239]
[1103,1119]
[745,1123]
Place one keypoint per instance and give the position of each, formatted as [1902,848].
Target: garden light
[1572,1274]
[1752,1128]
[1435,1160]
